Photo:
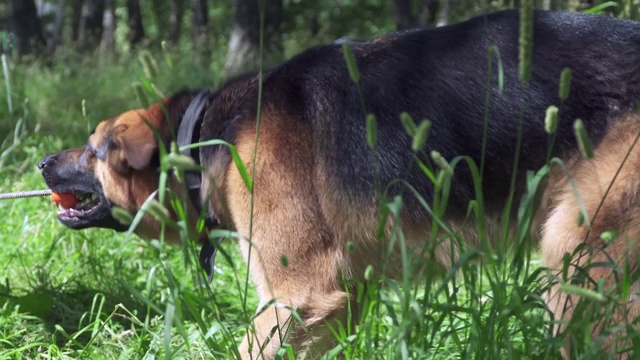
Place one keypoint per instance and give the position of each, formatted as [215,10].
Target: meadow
[98,294]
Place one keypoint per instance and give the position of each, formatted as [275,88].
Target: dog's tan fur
[287,222]
[609,189]
[122,148]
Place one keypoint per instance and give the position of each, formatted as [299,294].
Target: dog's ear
[135,137]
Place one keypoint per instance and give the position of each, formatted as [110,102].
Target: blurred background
[224,29]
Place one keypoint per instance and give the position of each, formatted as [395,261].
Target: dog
[317,183]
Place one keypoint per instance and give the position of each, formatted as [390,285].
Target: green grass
[97,294]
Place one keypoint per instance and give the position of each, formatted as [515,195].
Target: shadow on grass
[66,311]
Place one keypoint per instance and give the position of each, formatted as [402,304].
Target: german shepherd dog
[317,183]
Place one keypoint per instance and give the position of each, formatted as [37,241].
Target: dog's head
[117,166]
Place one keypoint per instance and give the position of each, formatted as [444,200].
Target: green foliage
[325,21]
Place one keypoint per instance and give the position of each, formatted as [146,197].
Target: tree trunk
[160,12]
[90,26]
[25,24]
[404,16]
[134,21]
[56,33]
[176,13]
[108,40]
[200,22]
[428,13]
[200,15]
[443,16]
[76,12]
[244,45]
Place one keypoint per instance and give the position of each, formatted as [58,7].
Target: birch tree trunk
[244,45]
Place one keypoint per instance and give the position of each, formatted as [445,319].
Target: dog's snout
[46,161]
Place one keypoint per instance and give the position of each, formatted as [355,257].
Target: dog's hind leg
[604,247]
[292,254]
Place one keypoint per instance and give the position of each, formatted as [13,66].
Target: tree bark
[160,11]
[443,16]
[244,45]
[200,23]
[76,12]
[25,24]
[176,13]
[90,26]
[404,16]
[200,15]
[56,33]
[108,40]
[134,22]
[428,13]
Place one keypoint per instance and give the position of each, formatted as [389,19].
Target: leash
[191,121]
[25,194]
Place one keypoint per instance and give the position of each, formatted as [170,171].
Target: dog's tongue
[66,200]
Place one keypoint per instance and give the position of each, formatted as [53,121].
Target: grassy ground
[96,294]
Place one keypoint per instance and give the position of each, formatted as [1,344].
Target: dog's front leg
[267,333]
[300,302]
[293,255]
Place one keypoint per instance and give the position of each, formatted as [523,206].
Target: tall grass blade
[551,120]
[584,143]
[525,41]
[352,67]
[565,84]
[7,82]
[371,131]
[420,136]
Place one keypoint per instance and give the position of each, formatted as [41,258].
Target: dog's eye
[97,153]
[90,151]
[90,147]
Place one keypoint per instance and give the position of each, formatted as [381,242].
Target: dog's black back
[442,75]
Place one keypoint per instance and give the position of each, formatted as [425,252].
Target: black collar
[187,134]
[191,120]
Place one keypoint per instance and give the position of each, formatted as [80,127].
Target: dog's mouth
[83,208]
[85,204]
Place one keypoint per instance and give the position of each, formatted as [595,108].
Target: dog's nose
[46,161]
